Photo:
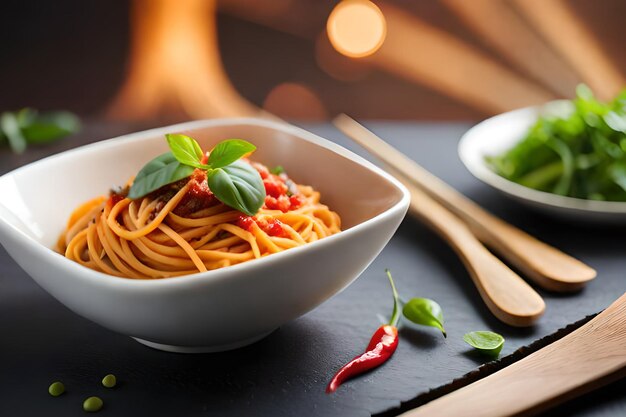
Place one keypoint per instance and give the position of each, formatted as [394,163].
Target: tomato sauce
[198,196]
[272,227]
[114,198]
[278,197]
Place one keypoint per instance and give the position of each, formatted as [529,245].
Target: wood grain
[586,359]
[544,264]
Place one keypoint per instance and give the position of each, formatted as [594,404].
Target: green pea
[109,381]
[56,388]
[92,404]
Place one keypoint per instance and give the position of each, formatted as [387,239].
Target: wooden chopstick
[506,295]
[547,266]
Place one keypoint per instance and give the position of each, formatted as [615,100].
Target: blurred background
[161,61]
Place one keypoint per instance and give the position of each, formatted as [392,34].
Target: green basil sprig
[235,183]
[486,342]
[425,312]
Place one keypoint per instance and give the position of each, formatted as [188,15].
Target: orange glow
[294,101]
[175,69]
[356,28]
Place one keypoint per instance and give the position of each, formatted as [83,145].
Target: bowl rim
[474,161]
[213,276]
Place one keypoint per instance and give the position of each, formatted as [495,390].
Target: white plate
[497,134]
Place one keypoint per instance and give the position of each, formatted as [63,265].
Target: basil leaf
[11,129]
[46,127]
[425,312]
[228,151]
[185,149]
[239,186]
[162,170]
[486,342]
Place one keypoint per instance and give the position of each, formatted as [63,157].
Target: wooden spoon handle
[544,264]
[587,358]
[506,295]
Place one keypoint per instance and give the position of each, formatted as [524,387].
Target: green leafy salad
[581,153]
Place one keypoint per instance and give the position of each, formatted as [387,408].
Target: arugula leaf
[618,175]
[615,121]
[239,186]
[577,152]
[228,151]
[185,149]
[162,170]
[567,163]
[425,312]
[486,342]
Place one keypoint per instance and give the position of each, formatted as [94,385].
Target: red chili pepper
[382,345]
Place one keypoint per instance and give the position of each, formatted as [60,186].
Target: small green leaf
[11,129]
[162,170]
[615,121]
[487,342]
[617,173]
[185,149]
[239,186]
[26,116]
[425,312]
[228,151]
[38,128]
[563,184]
[277,170]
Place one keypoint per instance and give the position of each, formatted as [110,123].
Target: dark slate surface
[285,374]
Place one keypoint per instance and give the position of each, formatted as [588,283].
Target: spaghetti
[183,229]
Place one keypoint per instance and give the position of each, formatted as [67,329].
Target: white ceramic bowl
[215,310]
[500,133]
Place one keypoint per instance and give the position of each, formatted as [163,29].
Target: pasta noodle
[183,229]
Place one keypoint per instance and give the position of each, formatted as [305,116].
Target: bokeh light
[356,28]
[295,101]
[339,66]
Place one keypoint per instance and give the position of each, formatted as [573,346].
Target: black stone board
[285,374]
